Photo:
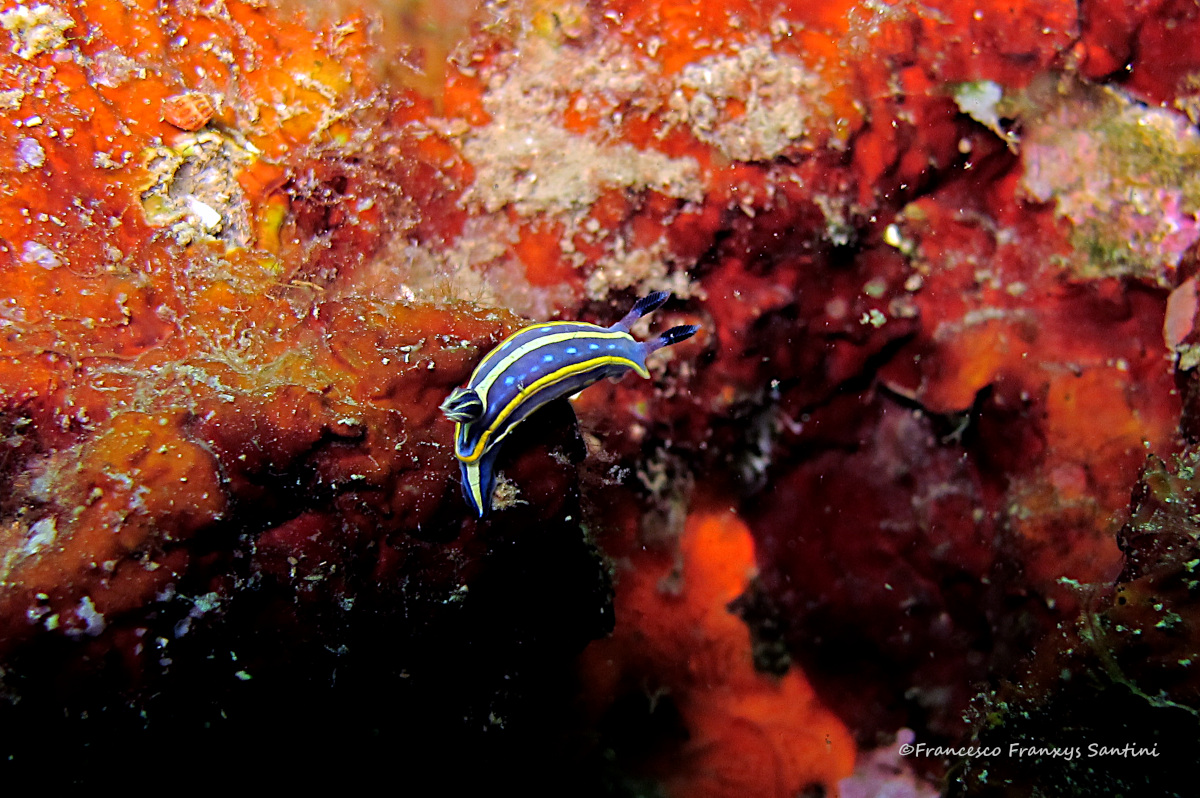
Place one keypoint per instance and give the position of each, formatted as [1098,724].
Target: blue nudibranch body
[535,365]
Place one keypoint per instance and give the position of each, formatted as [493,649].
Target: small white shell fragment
[206,214]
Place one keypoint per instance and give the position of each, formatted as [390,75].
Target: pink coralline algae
[887,773]
[1122,174]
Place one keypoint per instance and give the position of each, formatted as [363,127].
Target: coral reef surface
[943,257]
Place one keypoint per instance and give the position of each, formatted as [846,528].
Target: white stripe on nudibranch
[571,369]
[493,373]
[491,357]
[472,472]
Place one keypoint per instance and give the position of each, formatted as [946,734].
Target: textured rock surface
[942,257]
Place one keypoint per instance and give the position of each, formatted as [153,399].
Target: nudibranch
[535,365]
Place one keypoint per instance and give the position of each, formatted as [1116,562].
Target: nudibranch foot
[479,480]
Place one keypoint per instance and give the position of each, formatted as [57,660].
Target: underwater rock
[1112,702]
[930,367]
[681,662]
[230,516]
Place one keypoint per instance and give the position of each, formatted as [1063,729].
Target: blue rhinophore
[535,365]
